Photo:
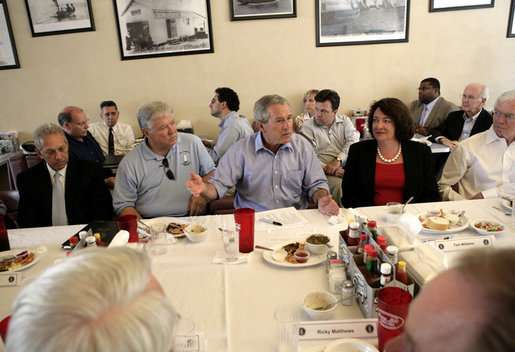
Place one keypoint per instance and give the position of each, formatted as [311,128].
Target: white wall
[254,58]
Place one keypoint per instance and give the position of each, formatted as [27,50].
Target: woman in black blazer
[390,167]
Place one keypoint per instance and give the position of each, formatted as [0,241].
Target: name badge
[337,329]
[460,244]
[10,279]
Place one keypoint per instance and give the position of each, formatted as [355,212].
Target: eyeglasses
[168,172]
[81,124]
[424,88]
[498,114]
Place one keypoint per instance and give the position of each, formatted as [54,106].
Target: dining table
[233,304]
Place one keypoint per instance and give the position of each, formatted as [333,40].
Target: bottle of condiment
[400,273]
[91,241]
[372,227]
[361,244]
[353,234]
[386,274]
[372,261]
[366,249]
[381,241]
[4,238]
[347,292]
[392,252]
[330,255]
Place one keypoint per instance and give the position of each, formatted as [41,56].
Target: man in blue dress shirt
[273,168]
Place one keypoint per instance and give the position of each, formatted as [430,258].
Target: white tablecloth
[234,304]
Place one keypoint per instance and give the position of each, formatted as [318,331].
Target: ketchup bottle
[4,238]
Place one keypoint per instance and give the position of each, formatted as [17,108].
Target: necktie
[111,142]
[58,204]
[422,115]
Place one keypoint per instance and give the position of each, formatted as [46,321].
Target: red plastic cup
[392,310]
[244,219]
[129,223]
[360,124]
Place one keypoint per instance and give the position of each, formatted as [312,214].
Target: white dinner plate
[167,220]
[314,259]
[454,229]
[506,204]
[484,232]
[16,251]
[350,345]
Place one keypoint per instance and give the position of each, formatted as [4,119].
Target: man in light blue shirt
[233,127]
[273,168]
[151,177]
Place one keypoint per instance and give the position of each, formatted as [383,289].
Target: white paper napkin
[220,258]
[120,239]
[410,224]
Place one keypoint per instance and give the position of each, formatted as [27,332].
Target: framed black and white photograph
[353,22]
[49,17]
[8,55]
[511,21]
[262,9]
[155,28]
[451,5]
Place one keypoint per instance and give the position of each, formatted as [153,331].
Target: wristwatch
[339,160]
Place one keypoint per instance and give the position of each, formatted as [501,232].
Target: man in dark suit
[462,124]
[61,190]
[430,109]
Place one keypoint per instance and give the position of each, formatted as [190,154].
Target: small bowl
[319,299]
[316,248]
[486,232]
[301,256]
[196,233]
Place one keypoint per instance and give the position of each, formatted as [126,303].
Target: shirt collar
[432,104]
[259,143]
[465,117]
[226,118]
[148,154]
[492,137]
[52,171]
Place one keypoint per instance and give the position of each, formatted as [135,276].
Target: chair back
[17,164]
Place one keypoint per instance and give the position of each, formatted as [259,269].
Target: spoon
[143,226]
[407,202]
[461,217]
[331,305]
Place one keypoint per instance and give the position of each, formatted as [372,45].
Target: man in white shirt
[115,138]
[233,127]
[481,164]
[430,109]
[332,135]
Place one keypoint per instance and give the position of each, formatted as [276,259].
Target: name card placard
[195,342]
[460,244]
[337,329]
[10,279]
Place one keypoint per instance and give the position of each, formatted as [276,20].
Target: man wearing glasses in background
[151,177]
[82,144]
[483,165]
[430,109]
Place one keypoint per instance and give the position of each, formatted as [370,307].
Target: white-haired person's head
[96,300]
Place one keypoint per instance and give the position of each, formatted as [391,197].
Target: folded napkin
[410,224]
[220,258]
[120,239]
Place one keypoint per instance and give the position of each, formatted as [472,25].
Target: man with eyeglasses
[233,127]
[459,125]
[273,168]
[430,109]
[151,178]
[114,137]
[483,165]
[62,190]
[332,135]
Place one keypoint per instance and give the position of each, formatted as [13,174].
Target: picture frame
[453,5]
[174,28]
[50,17]
[242,10]
[354,22]
[8,53]
[511,21]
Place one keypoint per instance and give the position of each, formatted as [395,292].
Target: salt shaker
[347,292]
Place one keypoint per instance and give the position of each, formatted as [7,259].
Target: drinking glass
[129,223]
[392,310]
[158,239]
[393,213]
[230,241]
[244,219]
[286,321]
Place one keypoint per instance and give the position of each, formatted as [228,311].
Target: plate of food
[487,227]
[174,226]
[17,260]
[441,221]
[506,204]
[283,255]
